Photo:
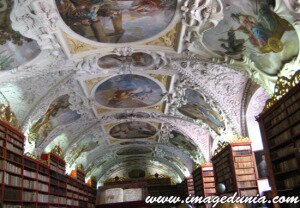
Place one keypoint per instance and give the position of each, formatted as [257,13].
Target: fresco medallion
[133,130]
[136,60]
[128,91]
[250,28]
[117,21]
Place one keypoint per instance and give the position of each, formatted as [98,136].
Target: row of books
[1,143]
[290,183]
[293,98]
[43,178]
[12,194]
[243,159]
[289,164]
[245,184]
[245,177]
[12,180]
[30,174]
[14,141]
[207,173]
[245,171]
[240,148]
[14,157]
[292,108]
[208,179]
[12,168]
[72,188]
[241,152]
[281,138]
[222,164]
[249,192]
[209,185]
[222,172]
[29,196]
[14,135]
[226,177]
[274,113]
[210,190]
[72,202]
[14,149]
[244,165]
[2,135]
[275,120]
[283,151]
[30,164]
[296,130]
[279,127]
[295,117]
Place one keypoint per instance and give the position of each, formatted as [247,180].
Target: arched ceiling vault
[117,94]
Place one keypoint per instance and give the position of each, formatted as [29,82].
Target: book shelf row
[28,182]
[280,129]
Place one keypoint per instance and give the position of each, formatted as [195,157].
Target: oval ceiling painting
[198,108]
[133,130]
[128,91]
[136,59]
[134,151]
[117,21]
[251,28]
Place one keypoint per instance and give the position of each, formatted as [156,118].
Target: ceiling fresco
[197,108]
[128,91]
[58,113]
[15,49]
[116,21]
[153,85]
[181,142]
[252,29]
[133,130]
[128,151]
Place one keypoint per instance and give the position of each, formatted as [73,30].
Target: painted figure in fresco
[234,46]
[109,20]
[132,130]
[136,59]
[147,7]
[88,12]
[264,33]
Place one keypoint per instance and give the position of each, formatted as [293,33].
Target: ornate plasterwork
[37,25]
[76,46]
[227,85]
[198,17]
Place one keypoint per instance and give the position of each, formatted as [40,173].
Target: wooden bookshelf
[28,182]
[11,165]
[187,187]
[280,129]
[235,167]
[204,182]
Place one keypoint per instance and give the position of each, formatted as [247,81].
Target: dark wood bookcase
[37,183]
[280,129]
[187,187]
[204,182]
[11,165]
[235,167]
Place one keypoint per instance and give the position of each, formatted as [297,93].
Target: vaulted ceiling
[132,85]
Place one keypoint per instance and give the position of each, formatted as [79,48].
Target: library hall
[149,104]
